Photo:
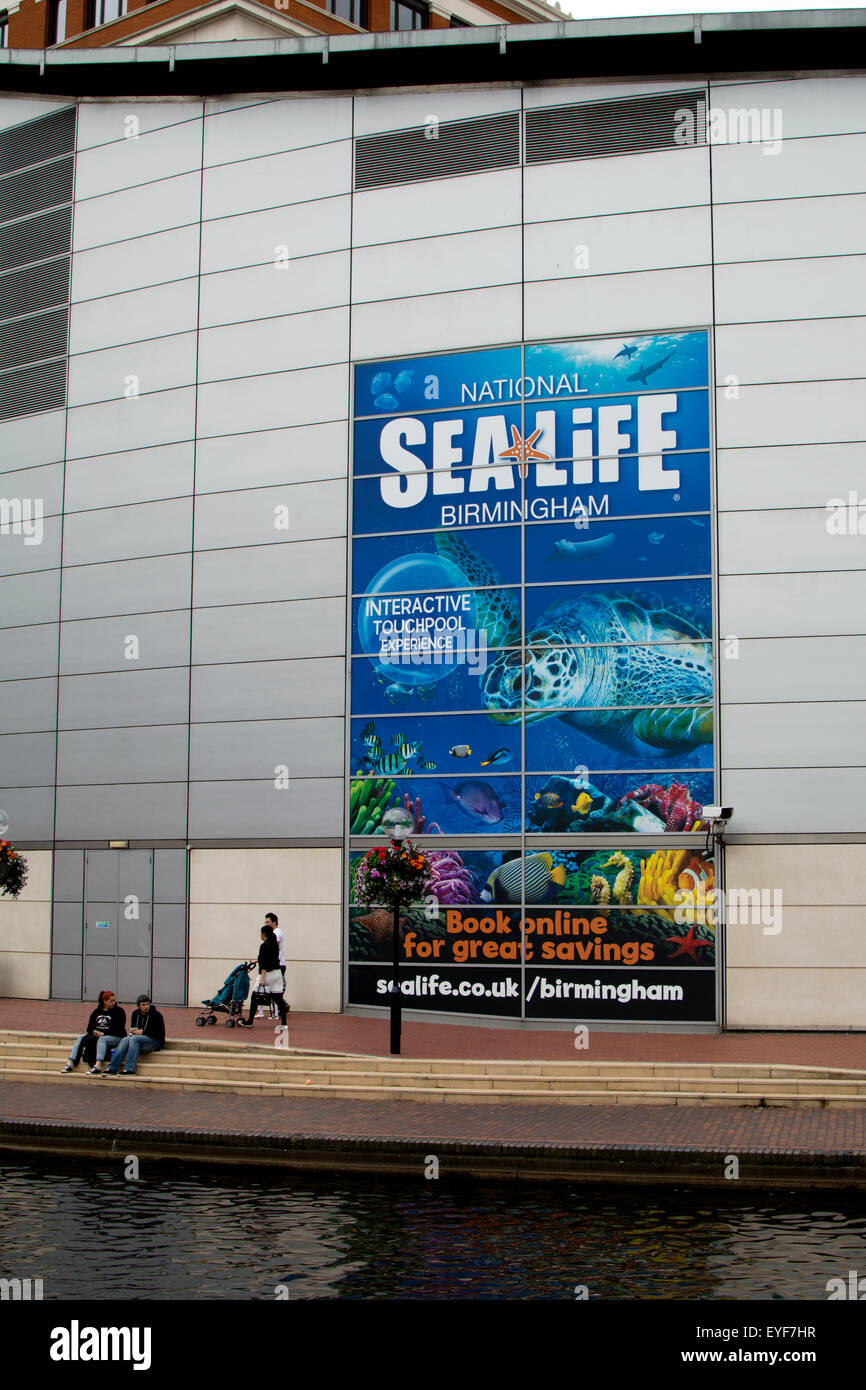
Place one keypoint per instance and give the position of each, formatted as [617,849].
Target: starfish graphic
[521,450]
[687,945]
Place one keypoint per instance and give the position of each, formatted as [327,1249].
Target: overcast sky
[616,9]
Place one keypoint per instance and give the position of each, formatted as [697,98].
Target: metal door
[118,922]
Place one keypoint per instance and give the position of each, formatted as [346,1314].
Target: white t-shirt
[282,945]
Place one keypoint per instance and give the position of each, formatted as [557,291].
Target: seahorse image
[599,889]
[623,881]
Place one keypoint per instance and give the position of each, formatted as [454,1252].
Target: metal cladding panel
[31,389]
[771,736]
[126,163]
[271,516]
[810,668]
[27,760]
[254,749]
[307,809]
[169,981]
[35,238]
[827,226]
[320,171]
[163,417]
[102,644]
[748,479]
[124,699]
[123,533]
[68,875]
[157,365]
[248,238]
[143,811]
[146,475]
[169,924]
[286,343]
[33,288]
[28,651]
[135,212]
[135,264]
[31,598]
[33,142]
[808,168]
[457,147]
[32,339]
[433,265]
[170,879]
[268,689]
[587,129]
[30,811]
[93,591]
[617,243]
[30,441]
[302,452]
[90,756]
[661,179]
[792,605]
[272,127]
[20,555]
[796,800]
[268,574]
[28,706]
[34,190]
[269,631]
[68,924]
[797,540]
[488,199]
[66,976]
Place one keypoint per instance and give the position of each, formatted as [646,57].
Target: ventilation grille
[665,120]
[460,147]
[36,174]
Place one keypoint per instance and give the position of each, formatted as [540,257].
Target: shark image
[643,372]
[627,350]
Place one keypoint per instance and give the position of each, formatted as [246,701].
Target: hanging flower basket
[13,870]
[398,873]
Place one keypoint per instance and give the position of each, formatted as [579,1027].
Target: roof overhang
[647,48]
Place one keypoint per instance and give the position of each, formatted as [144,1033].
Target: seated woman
[106,1027]
[270,976]
[147,1034]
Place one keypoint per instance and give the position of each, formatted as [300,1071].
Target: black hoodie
[152,1024]
[111,1021]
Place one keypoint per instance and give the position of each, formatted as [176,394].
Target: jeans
[129,1050]
[93,1049]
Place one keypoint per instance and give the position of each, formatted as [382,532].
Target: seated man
[147,1034]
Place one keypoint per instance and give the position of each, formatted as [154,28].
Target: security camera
[722,813]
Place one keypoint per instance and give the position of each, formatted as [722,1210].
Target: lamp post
[398,824]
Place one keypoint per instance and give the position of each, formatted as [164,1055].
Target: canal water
[200,1232]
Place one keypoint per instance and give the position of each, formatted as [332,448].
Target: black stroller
[230,999]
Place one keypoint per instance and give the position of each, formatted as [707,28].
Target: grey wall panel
[169,981]
[135,264]
[271,128]
[632,241]
[813,350]
[106,123]
[273,402]
[813,412]
[43,485]
[440,322]
[130,163]
[753,542]
[815,735]
[315,510]
[440,207]
[255,749]
[68,926]
[169,926]
[796,800]
[30,812]
[27,760]
[66,979]
[264,574]
[757,291]
[133,978]
[313,808]
[399,110]
[803,101]
[750,478]
[792,605]
[126,587]
[32,440]
[317,172]
[433,265]
[29,598]
[789,227]
[268,690]
[28,651]
[157,754]
[607,303]
[143,475]
[154,207]
[269,631]
[122,533]
[37,548]
[164,417]
[100,644]
[170,879]
[133,317]
[68,875]
[155,365]
[663,178]
[252,238]
[141,812]
[27,706]
[310,282]
[804,668]
[125,698]
[278,344]
[806,168]
[296,455]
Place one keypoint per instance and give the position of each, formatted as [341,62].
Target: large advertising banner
[532,659]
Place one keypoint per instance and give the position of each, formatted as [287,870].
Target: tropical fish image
[427,766]
[505,884]
[656,537]
[589,658]
[552,801]
[369,735]
[499,755]
[477,799]
[460,750]
[583,805]
[387,764]
[581,550]
[406,750]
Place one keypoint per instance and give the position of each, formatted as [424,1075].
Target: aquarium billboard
[532,643]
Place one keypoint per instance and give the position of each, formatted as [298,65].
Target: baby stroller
[230,999]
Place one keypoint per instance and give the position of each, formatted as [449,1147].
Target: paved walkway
[643,1143]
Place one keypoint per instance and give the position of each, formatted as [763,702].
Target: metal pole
[395,987]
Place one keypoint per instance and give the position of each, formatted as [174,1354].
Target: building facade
[492,451]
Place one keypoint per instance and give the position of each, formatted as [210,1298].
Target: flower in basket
[387,877]
[13,870]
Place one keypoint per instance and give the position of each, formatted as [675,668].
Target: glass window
[406,15]
[104,11]
[355,11]
[4,29]
[56,22]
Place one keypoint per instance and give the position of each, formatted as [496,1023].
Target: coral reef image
[610,802]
